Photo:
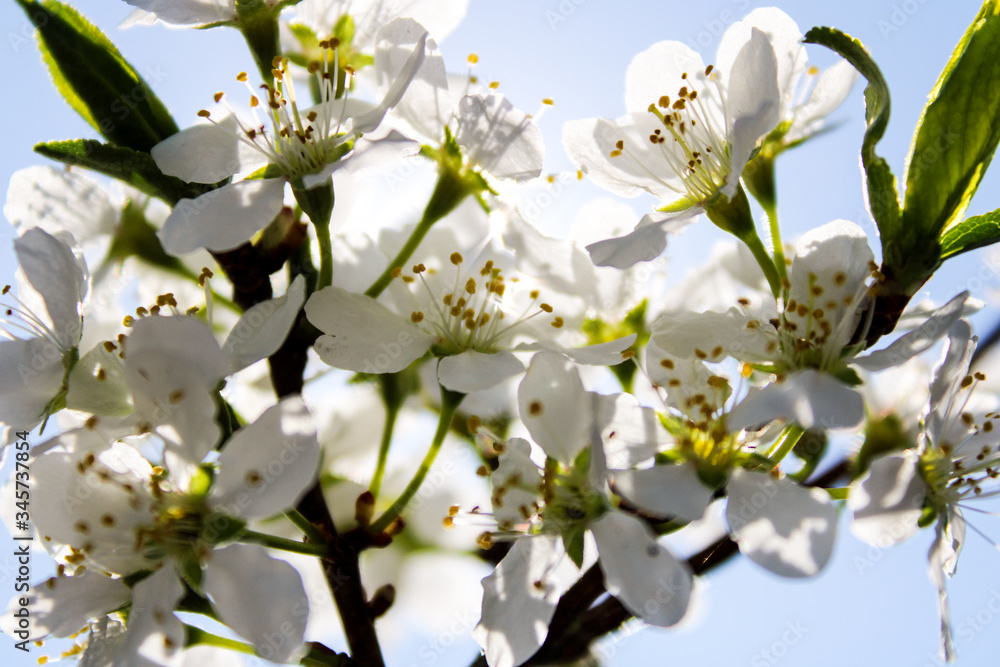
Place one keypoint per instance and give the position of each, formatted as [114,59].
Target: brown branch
[576,624]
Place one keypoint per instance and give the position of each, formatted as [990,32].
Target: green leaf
[971,233]
[96,80]
[133,167]
[883,200]
[958,130]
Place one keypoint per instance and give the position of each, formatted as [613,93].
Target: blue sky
[868,607]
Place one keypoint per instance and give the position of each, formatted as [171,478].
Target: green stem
[391,411]
[195,636]
[317,202]
[771,211]
[789,437]
[325,255]
[450,400]
[275,542]
[766,263]
[449,191]
[303,524]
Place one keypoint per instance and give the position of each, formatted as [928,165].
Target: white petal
[753,104]
[516,611]
[556,261]
[589,144]
[97,385]
[517,485]
[711,336]
[222,219]
[630,432]
[554,406]
[33,373]
[809,398]
[914,342]
[262,329]
[830,91]
[472,371]
[188,12]
[500,139]
[256,595]
[371,120]
[887,500]
[103,642]
[645,577]
[599,354]
[942,559]
[155,634]
[646,242]
[658,71]
[363,335]
[267,466]
[783,527]
[60,606]
[60,200]
[102,504]
[785,37]
[427,104]
[173,366]
[691,387]
[665,490]
[948,375]
[52,269]
[207,153]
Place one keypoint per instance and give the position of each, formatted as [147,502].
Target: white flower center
[692,144]
[299,142]
[471,315]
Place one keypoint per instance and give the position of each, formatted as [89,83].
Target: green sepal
[136,168]
[883,435]
[258,22]
[849,376]
[958,131]
[975,232]
[96,81]
[316,202]
[883,197]
[134,578]
[927,517]
[573,542]
[189,568]
[221,527]
[753,460]
[344,29]
[732,215]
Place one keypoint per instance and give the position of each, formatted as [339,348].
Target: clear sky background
[868,608]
